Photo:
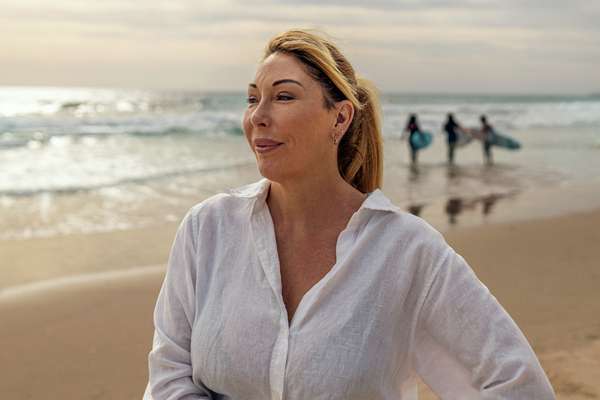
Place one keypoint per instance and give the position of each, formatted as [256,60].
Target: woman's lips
[266,145]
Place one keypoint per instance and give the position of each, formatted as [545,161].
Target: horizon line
[592,93]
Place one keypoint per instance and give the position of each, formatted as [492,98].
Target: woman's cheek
[247,127]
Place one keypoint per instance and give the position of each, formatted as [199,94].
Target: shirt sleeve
[169,361]
[467,346]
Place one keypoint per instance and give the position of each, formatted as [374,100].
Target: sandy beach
[87,336]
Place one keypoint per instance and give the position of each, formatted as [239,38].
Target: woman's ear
[344,116]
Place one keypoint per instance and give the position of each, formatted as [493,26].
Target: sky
[433,46]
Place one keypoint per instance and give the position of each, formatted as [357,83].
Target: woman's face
[286,123]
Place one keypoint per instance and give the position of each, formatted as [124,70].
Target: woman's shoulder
[415,230]
[398,222]
[411,248]
[409,235]
[234,203]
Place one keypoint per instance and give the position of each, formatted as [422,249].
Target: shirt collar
[259,190]
[378,201]
[254,190]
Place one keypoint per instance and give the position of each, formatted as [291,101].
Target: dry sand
[546,273]
[87,338]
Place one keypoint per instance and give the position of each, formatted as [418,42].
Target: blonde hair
[360,152]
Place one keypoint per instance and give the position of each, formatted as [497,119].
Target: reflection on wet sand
[455,206]
[463,189]
[415,209]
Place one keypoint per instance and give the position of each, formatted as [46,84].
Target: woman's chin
[270,171]
[274,172]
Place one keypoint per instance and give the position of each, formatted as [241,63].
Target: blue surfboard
[504,141]
[420,140]
[496,139]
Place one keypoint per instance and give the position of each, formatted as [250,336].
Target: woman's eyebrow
[287,81]
[279,82]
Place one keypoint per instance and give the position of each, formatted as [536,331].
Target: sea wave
[106,111]
[107,183]
[511,115]
[35,134]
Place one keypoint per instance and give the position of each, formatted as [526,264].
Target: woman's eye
[251,99]
[284,97]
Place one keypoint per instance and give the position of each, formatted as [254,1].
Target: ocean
[77,160]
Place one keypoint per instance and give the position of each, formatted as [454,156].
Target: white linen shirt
[397,303]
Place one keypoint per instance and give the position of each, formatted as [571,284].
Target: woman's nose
[260,116]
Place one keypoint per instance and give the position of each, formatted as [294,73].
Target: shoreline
[85,253]
[464,189]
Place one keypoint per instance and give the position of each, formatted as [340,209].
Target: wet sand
[88,337]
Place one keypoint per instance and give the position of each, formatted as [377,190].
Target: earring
[334,137]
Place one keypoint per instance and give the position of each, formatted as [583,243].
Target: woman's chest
[345,332]
[301,268]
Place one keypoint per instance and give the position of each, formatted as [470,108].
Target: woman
[310,284]
[412,127]
[452,128]
[488,136]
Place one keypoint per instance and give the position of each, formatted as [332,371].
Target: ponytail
[360,154]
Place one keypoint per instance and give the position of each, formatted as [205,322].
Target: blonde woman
[311,284]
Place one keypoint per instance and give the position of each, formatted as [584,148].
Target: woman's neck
[313,204]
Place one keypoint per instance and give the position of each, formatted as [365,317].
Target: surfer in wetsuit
[451,127]
[488,134]
[412,127]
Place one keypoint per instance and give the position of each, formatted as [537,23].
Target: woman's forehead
[280,66]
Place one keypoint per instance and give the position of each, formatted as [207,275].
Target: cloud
[423,37]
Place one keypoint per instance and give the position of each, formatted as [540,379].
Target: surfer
[451,127]
[412,127]
[488,134]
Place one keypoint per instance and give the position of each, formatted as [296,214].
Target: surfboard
[463,138]
[475,133]
[504,141]
[420,139]
[497,139]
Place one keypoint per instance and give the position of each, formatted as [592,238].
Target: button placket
[265,242]
[279,360]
